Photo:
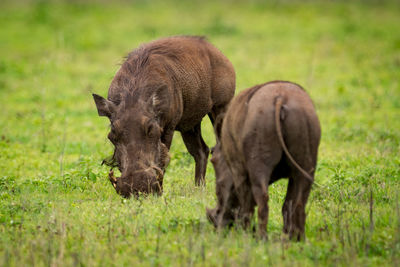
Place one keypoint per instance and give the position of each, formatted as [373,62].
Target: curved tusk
[112,178]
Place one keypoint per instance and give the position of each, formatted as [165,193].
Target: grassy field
[57,208]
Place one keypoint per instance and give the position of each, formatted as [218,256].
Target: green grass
[57,207]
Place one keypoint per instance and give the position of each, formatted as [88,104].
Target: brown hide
[270,131]
[165,85]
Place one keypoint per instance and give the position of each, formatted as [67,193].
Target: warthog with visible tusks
[165,85]
[270,131]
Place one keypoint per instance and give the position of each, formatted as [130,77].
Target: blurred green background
[56,204]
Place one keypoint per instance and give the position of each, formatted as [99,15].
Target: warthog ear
[104,106]
[160,99]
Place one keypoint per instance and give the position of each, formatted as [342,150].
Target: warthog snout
[144,181]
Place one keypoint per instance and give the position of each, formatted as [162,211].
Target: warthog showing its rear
[166,85]
[270,131]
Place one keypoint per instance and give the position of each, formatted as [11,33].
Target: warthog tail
[278,107]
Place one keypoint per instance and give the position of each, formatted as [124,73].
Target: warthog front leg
[199,150]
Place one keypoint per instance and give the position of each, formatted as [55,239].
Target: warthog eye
[112,137]
[152,129]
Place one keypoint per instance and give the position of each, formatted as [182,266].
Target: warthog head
[227,203]
[136,134]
